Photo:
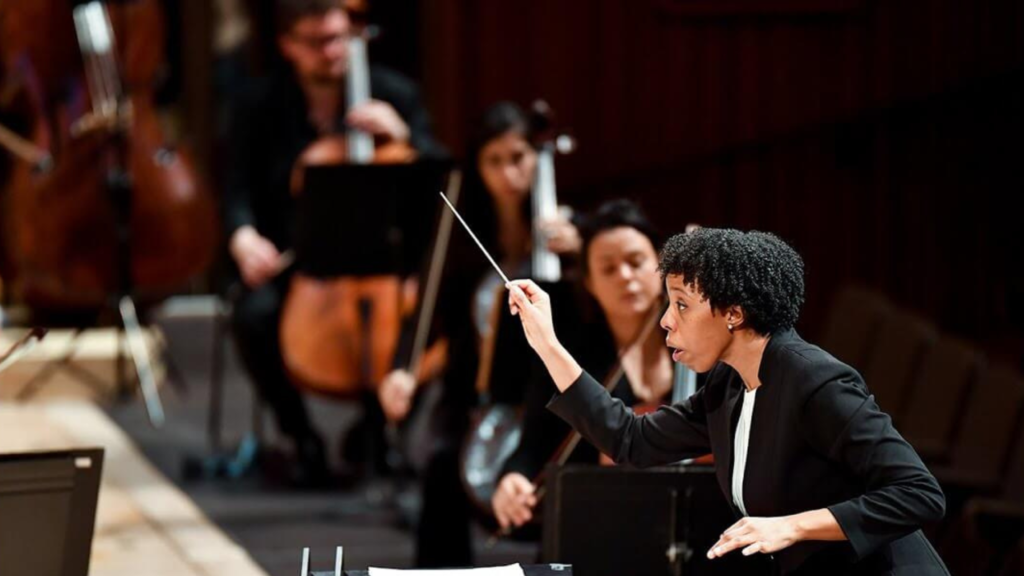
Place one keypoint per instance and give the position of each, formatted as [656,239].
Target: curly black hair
[756,271]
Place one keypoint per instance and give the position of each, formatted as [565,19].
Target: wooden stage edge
[144,524]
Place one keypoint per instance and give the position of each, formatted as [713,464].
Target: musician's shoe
[310,470]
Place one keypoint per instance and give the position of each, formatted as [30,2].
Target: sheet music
[510,570]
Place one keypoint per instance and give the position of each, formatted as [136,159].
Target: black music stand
[48,511]
[617,520]
[360,220]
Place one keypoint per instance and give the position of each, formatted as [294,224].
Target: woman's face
[623,273]
[698,334]
[507,164]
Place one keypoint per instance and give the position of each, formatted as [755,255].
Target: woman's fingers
[523,515]
[518,300]
[729,542]
[514,511]
[529,288]
[753,549]
[739,526]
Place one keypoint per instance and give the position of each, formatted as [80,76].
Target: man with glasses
[271,124]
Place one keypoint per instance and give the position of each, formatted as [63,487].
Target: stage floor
[268,523]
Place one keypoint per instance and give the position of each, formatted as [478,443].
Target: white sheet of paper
[510,570]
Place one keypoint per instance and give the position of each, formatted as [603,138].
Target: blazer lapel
[727,430]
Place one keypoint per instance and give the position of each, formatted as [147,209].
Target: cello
[97,202]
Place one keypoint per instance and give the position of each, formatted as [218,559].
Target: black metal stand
[119,187]
[220,463]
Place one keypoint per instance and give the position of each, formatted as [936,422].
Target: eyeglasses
[321,42]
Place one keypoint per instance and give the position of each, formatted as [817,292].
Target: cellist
[273,122]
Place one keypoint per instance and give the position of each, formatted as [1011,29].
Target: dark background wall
[883,139]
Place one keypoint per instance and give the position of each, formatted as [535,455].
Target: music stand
[617,520]
[48,511]
[367,219]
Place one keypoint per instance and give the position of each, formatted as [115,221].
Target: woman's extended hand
[769,535]
[757,535]
[533,306]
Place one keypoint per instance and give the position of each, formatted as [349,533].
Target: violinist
[273,122]
[622,293]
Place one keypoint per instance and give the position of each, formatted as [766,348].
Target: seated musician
[620,275]
[272,123]
[497,201]
[821,480]
[495,198]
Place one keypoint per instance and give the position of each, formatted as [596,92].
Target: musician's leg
[443,535]
[255,321]
[364,446]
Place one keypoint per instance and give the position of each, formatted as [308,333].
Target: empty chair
[983,534]
[984,439]
[892,365]
[938,395]
[1013,564]
[854,319]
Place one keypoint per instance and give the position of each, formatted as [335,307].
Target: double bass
[97,202]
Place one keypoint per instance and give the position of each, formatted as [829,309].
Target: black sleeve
[241,157]
[842,421]
[668,435]
[421,134]
[404,96]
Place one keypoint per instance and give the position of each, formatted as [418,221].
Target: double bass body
[116,207]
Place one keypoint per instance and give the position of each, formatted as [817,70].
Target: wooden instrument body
[60,219]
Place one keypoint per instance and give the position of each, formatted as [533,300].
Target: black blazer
[817,440]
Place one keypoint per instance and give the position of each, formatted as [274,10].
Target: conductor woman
[820,479]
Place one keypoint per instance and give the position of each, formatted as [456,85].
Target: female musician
[619,265]
[822,480]
[499,179]
[498,185]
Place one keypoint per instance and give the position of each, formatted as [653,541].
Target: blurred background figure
[274,122]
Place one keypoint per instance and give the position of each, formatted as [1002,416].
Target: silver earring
[730,327]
